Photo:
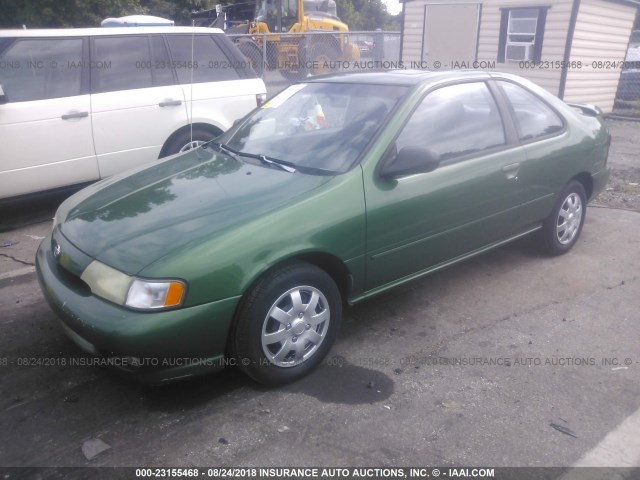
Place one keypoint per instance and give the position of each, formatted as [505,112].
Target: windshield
[324,6]
[321,126]
[267,11]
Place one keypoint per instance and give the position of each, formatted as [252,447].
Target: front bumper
[159,346]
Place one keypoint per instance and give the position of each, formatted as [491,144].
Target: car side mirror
[3,97]
[410,161]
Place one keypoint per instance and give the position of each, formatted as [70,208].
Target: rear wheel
[562,228]
[287,324]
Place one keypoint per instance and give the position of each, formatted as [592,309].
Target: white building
[573,48]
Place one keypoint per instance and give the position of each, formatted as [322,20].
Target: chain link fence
[628,98]
[284,58]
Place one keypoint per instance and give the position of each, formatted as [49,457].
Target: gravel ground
[623,189]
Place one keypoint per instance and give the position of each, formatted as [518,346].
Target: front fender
[329,220]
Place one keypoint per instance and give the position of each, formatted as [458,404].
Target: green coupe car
[244,251]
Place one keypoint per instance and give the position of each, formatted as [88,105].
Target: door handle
[68,116]
[170,103]
[511,171]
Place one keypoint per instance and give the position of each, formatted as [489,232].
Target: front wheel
[562,228]
[323,60]
[287,324]
[187,140]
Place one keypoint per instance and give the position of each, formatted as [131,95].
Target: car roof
[400,77]
[633,54]
[99,31]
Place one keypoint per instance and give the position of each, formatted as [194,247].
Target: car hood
[130,221]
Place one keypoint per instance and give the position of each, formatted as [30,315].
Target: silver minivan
[78,105]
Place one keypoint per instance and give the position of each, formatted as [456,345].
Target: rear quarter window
[199,59]
[534,118]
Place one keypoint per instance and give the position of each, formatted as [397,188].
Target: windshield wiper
[228,150]
[287,166]
[283,164]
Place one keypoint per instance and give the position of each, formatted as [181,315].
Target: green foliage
[365,15]
[177,10]
[64,13]
[358,14]
[393,23]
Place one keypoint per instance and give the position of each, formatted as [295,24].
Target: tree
[358,14]
[89,13]
[64,13]
[348,14]
[177,10]
[364,14]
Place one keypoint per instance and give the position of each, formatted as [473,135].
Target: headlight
[145,294]
[107,282]
[123,289]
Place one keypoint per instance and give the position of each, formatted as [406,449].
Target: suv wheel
[184,141]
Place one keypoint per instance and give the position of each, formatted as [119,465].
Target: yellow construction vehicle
[321,48]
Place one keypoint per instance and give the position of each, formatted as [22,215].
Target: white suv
[77,105]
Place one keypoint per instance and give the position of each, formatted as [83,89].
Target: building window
[521,34]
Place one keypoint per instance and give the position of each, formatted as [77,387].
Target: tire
[562,228]
[183,142]
[280,305]
[252,55]
[321,58]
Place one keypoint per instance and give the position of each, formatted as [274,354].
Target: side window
[39,69]
[160,65]
[121,63]
[533,117]
[455,121]
[521,34]
[209,64]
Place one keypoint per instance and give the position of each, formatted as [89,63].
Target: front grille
[72,281]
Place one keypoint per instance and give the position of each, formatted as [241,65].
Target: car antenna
[193,36]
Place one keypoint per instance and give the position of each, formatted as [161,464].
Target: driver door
[421,221]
